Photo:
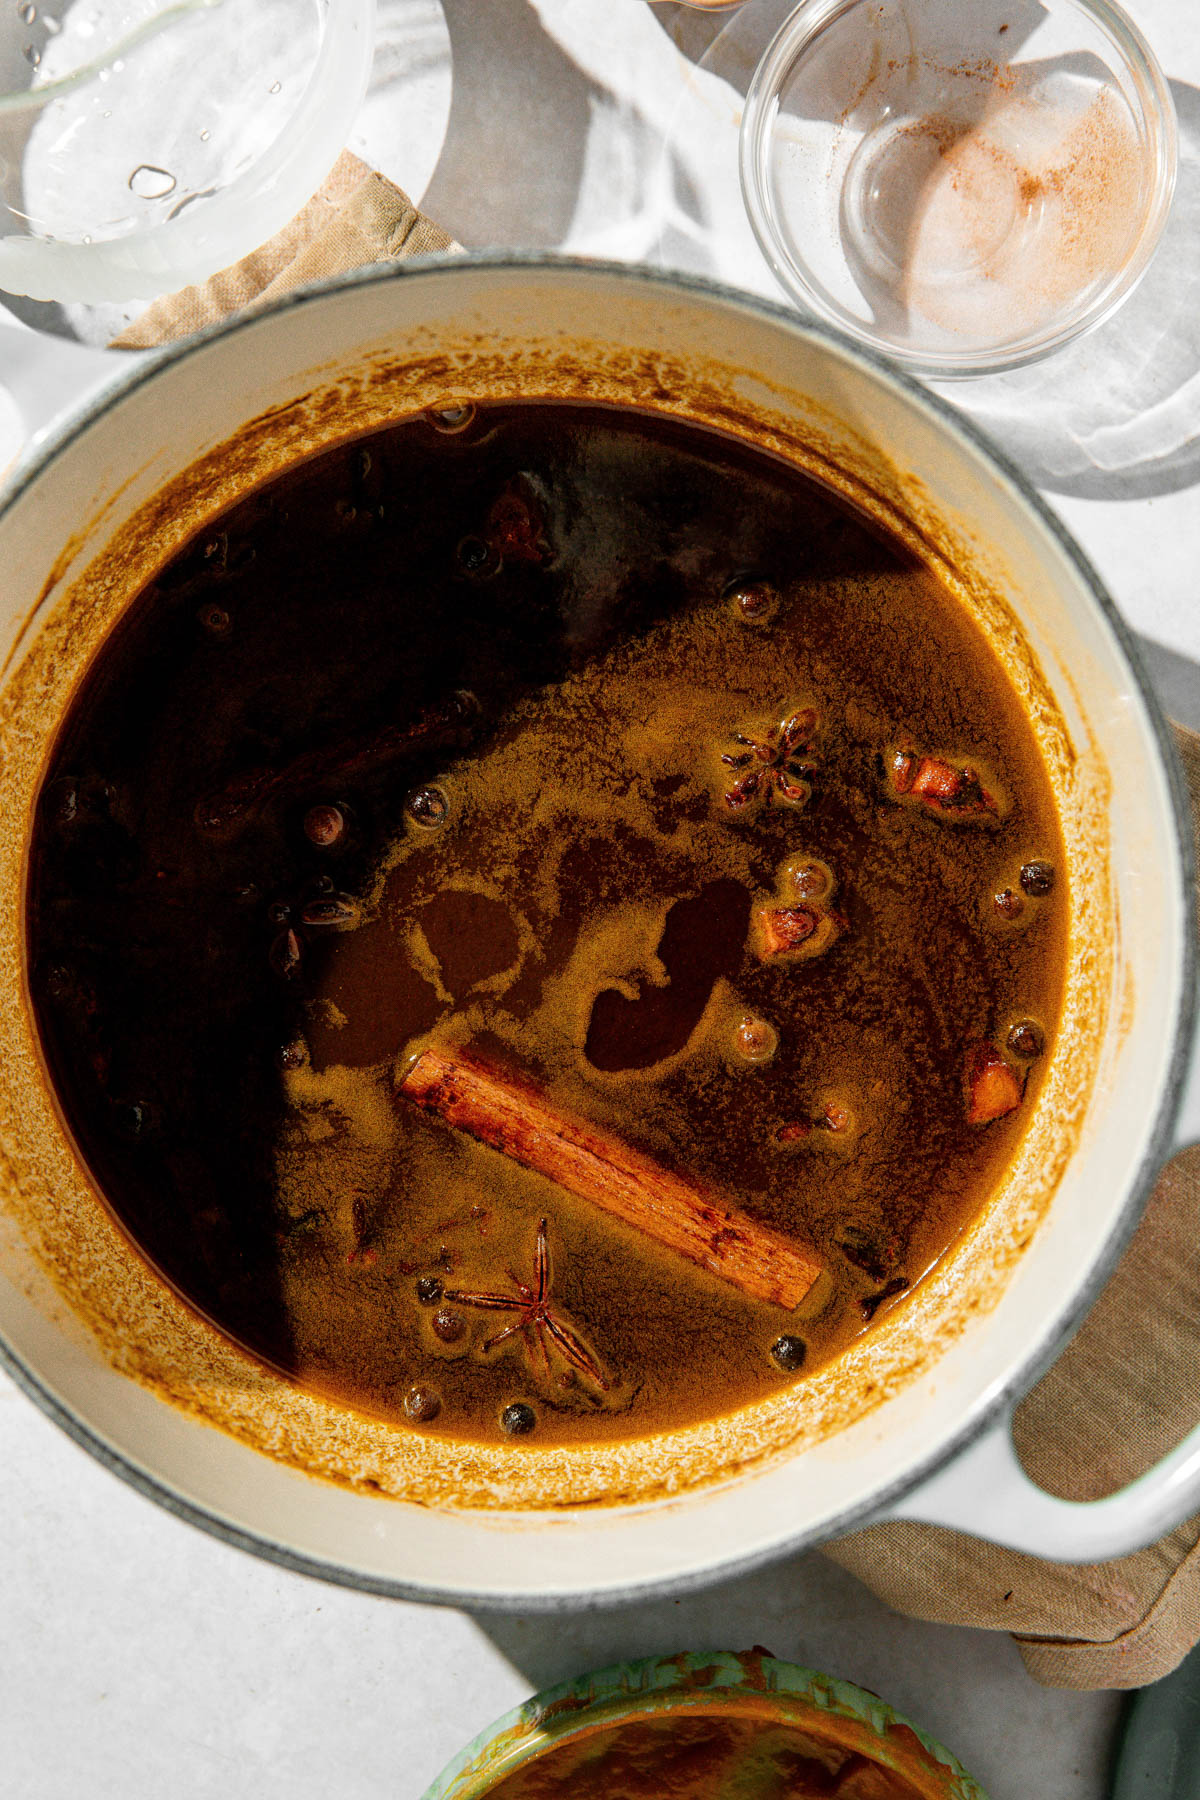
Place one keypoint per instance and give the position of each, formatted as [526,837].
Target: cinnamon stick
[444,727]
[674,1210]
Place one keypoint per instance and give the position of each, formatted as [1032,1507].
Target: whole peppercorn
[331,912]
[284,955]
[1037,878]
[1026,1040]
[754,602]
[422,1404]
[215,620]
[809,880]
[452,418]
[477,558]
[518,1419]
[131,1119]
[755,1039]
[62,801]
[427,806]
[788,1353]
[325,826]
[448,1326]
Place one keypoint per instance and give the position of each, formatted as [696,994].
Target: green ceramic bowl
[744,1689]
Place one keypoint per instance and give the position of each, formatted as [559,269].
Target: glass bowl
[145,144]
[962,184]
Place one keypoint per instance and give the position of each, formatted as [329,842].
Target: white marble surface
[138,1657]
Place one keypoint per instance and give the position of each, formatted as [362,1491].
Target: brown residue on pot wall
[74,546]
[148,1331]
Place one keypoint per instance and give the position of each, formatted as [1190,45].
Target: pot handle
[46,377]
[986,1493]
[984,1490]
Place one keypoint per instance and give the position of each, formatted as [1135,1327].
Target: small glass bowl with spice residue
[965,185]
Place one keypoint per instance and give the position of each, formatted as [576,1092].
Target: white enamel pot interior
[916,1424]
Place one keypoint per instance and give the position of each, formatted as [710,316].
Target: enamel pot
[913,1421]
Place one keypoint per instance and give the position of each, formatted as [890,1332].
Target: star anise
[780,766]
[537,1325]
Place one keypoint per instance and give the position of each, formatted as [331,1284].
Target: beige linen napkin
[1127,1388]
[355,217]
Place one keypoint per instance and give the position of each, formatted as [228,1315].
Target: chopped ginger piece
[783,928]
[993,1089]
[942,786]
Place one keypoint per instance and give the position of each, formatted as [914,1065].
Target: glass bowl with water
[144,144]
[963,184]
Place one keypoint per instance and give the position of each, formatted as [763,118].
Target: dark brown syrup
[510,739]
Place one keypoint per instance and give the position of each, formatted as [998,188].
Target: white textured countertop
[139,1657]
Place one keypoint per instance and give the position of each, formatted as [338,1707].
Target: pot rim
[1048,1343]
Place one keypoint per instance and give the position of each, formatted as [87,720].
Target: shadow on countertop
[968,1688]
[513,158]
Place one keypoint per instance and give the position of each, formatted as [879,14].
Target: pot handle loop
[985,1491]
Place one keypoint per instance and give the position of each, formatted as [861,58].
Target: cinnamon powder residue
[1020,213]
